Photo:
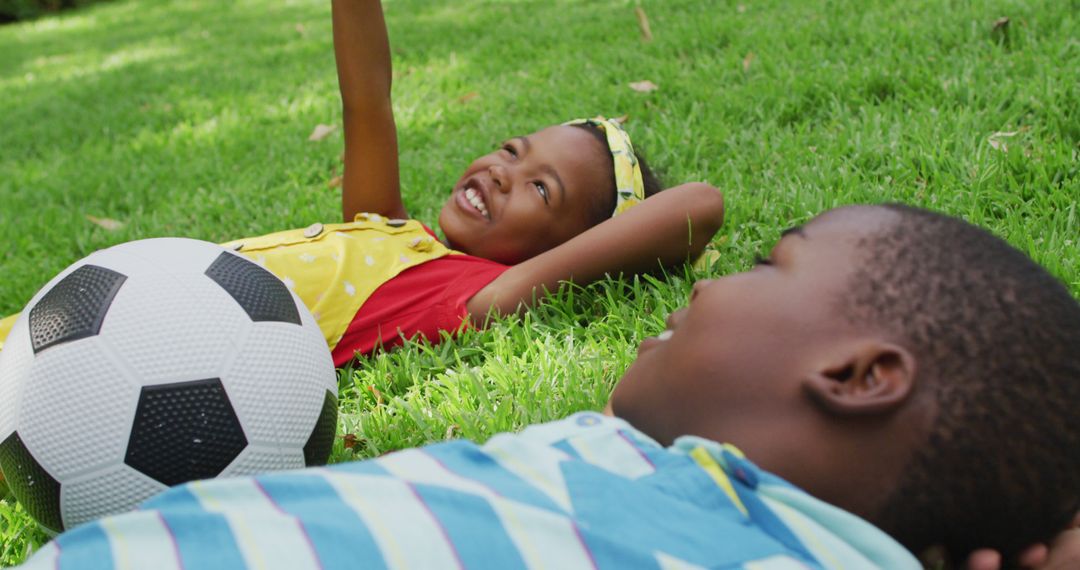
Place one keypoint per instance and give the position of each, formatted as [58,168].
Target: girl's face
[532,194]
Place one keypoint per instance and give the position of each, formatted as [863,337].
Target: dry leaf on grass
[334,182]
[321,132]
[643,24]
[644,86]
[748,60]
[999,32]
[468,97]
[378,395]
[997,140]
[622,119]
[301,29]
[741,8]
[107,223]
[352,441]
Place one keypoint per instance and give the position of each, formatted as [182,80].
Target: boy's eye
[510,150]
[759,260]
[542,189]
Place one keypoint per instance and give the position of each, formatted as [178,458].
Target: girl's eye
[510,150]
[759,260]
[542,189]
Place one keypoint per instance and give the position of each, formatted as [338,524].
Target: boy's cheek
[626,398]
[649,403]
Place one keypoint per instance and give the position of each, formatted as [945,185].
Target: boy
[914,371]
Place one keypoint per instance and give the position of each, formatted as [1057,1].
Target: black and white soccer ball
[153,363]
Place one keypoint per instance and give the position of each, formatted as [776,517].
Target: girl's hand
[1062,554]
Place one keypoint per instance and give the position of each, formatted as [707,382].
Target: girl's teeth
[664,335]
[475,200]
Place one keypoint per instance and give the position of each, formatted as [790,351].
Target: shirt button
[396,222]
[421,244]
[313,230]
[588,420]
[740,469]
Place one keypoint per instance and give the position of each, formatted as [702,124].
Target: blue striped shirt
[588,491]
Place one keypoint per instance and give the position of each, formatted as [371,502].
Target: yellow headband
[629,186]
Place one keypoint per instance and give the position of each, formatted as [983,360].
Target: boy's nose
[675,318]
[499,176]
[699,286]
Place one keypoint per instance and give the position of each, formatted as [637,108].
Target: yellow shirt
[334,268]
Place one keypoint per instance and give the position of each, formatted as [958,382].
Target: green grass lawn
[191,118]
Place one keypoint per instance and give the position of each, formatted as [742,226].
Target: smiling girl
[535,212]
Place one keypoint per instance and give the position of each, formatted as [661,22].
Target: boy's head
[903,365]
[533,193]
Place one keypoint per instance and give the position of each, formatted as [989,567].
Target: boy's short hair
[997,344]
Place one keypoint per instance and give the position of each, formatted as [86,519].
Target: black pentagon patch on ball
[263,296]
[184,431]
[319,444]
[38,492]
[75,307]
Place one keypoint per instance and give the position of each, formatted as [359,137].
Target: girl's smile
[472,201]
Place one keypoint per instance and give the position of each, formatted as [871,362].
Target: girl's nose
[499,176]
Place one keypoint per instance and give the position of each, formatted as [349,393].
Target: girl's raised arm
[362,50]
[666,229]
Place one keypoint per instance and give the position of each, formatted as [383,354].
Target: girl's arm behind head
[666,229]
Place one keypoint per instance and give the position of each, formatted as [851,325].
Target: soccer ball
[153,363]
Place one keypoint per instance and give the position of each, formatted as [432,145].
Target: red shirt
[421,300]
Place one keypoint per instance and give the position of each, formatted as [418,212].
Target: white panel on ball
[14,360]
[65,382]
[171,330]
[282,412]
[260,459]
[113,490]
[177,256]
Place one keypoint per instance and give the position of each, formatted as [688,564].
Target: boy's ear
[868,378]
